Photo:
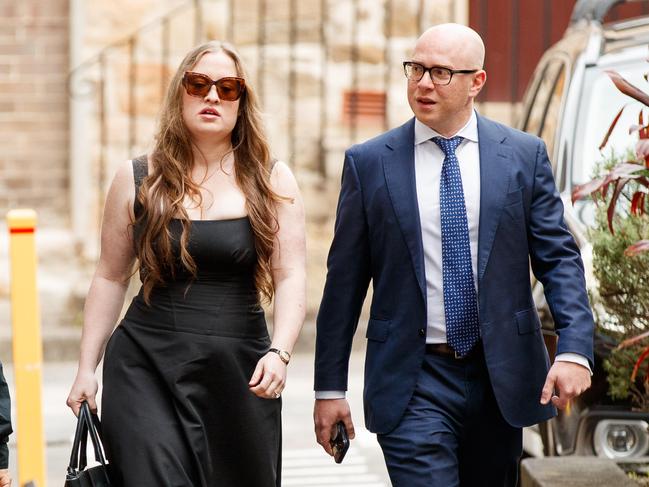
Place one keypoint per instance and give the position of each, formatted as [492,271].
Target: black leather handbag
[78,475]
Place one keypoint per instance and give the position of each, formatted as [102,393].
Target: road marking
[313,468]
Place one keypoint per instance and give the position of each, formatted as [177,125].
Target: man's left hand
[568,379]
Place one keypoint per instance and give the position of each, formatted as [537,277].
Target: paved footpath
[304,463]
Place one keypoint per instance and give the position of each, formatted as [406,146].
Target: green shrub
[622,298]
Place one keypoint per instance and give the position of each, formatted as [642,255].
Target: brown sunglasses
[228,89]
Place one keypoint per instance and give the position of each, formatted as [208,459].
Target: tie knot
[448,145]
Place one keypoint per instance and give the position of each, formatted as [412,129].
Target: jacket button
[422,332]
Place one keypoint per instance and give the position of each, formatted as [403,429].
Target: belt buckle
[457,355]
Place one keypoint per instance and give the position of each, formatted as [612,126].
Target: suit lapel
[495,171]
[399,170]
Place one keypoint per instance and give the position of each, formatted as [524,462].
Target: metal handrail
[131,40]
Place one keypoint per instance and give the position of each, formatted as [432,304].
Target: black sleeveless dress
[176,407]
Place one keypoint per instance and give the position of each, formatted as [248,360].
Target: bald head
[461,45]
[447,106]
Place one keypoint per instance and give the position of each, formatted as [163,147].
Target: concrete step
[572,471]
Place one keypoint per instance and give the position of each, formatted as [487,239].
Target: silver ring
[277,395]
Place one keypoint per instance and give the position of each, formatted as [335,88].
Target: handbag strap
[87,425]
[93,427]
[83,461]
[78,444]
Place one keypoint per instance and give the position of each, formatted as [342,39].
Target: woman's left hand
[269,377]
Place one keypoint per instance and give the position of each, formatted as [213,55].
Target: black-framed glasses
[199,85]
[438,74]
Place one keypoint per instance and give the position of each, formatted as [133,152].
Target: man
[5,430]
[444,215]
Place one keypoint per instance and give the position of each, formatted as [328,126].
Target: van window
[546,106]
[601,101]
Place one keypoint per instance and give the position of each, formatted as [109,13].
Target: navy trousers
[452,432]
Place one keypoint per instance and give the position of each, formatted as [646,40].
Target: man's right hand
[326,413]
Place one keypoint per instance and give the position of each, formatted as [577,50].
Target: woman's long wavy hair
[168,184]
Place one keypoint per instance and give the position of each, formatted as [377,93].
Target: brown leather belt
[446,350]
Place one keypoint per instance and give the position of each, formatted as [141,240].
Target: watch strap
[283,354]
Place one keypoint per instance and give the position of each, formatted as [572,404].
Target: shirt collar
[469,131]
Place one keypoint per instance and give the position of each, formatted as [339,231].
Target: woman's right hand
[84,389]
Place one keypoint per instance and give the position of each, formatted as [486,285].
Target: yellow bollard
[27,348]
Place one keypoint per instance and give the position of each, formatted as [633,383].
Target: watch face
[284,356]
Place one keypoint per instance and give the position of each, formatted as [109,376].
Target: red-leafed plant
[620,257]
[623,173]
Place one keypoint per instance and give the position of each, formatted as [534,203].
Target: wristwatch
[283,354]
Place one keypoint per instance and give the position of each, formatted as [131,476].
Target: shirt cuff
[330,394]
[575,358]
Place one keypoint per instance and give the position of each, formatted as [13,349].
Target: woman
[191,379]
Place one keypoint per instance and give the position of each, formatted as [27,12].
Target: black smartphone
[340,442]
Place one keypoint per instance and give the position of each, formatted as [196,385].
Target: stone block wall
[247,25]
[42,164]
[262,32]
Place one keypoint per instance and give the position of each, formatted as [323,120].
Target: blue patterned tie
[460,300]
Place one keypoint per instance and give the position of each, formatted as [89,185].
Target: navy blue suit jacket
[378,239]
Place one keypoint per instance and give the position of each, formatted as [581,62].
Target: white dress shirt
[428,169]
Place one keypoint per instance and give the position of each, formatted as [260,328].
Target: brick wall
[34,107]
